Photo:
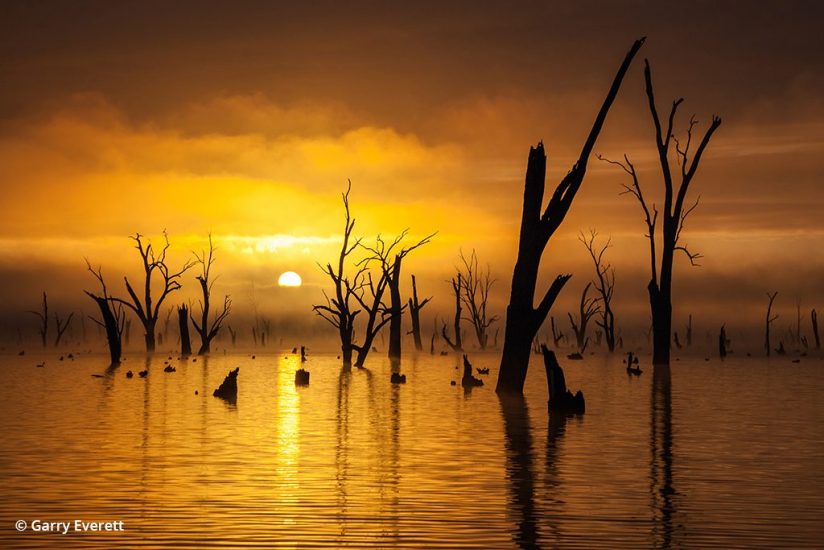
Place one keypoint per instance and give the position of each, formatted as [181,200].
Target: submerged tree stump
[228,389]
[302,377]
[560,398]
[469,381]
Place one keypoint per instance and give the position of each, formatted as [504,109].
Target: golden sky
[246,119]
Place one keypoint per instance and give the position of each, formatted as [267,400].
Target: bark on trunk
[112,332]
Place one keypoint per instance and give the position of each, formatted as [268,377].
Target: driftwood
[560,398]
[228,389]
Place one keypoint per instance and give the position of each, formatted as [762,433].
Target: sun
[289,278]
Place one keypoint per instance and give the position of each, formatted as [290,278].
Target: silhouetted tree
[722,342]
[674,214]
[339,310]
[457,345]
[43,315]
[523,320]
[183,327]
[389,258]
[113,316]
[61,326]
[233,334]
[814,322]
[587,309]
[206,330]
[689,331]
[604,284]
[475,296]
[770,319]
[415,308]
[146,310]
[557,335]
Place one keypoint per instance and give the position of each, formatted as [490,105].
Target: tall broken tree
[814,323]
[183,327]
[113,317]
[61,326]
[415,308]
[523,319]
[146,309]
[675,214]
[205,329]
[769,320]
[587,309]
[477,283]
[604,284]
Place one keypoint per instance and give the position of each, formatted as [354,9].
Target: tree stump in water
[469,381]
[228,389]
[302,377]
[560,398]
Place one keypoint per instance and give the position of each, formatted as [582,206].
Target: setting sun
[289,278]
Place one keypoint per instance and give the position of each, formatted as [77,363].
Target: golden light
[289,278]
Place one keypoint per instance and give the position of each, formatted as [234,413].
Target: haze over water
[725,454]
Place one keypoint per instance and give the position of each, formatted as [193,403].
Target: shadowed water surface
[709,453]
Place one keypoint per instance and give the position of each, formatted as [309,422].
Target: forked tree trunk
[522,319]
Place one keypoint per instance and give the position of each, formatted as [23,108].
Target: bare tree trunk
[722,342]
[396,310]
[523,320]
[769,321]
[183,325]
[814,322]
[414,313]
[111,325]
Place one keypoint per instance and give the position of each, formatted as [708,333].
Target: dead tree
[113,317]
[61,326]
[457,345]
[43,315]
[206,330]
[722,342]
[233,334]
[798,321]
[475,296]
[557,335]
[523,319]
[415,308]
[604,284]
[389,257]
[587,309]
[689,331]
[146,309]
[769,320]
[675,214]
[814,323]
[183,327]
[339,311]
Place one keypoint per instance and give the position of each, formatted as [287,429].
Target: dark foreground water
[714,454]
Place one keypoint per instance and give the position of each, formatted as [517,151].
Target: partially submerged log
[469,381]
[560,398]
[397,378]
[228,389]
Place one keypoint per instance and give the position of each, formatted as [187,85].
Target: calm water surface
[710,454]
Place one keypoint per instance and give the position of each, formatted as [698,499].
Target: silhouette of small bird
[129,374]
[143,373]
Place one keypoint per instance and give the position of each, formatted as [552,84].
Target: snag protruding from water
[469,381]
[302,377]
[631,361]
[228,389]
[560,398]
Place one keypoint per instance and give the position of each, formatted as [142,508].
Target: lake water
[710,454]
